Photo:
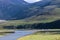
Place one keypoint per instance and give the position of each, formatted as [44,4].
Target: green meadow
[23,22]
[42,36]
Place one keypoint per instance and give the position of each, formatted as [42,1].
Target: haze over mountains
[19,9]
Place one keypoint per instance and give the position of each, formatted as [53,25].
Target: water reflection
[16,35]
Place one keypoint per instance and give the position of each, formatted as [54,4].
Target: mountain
[22,15]
[19,9]
[12,9]
[48,12]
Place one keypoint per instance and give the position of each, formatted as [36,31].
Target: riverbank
[42,36]
[1,35]
[16,35]
[6,32]
[23,33]
[1,31]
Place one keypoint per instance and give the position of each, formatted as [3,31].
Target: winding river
[16,35]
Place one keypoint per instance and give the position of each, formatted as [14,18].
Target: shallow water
[16,35]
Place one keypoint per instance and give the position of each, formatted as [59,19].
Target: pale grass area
[41,37]
[7,30]
[3,21]
[1,35]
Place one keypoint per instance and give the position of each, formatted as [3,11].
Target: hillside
[24,15]
[53,14]
[49,12]
[19,9]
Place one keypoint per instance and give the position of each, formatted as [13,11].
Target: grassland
[15,23]
[5,32]
[23,22]
[41,36]
[54,15]
[48,16]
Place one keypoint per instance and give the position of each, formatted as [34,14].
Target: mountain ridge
[19,9]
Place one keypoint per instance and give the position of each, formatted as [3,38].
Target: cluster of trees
[51,25]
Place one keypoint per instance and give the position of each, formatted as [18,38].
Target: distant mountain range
[19,9]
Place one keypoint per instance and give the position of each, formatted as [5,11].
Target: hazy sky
[32,1]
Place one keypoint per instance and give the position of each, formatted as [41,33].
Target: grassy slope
[19,22]
[49,15]
[41,36]
[22,22]
[35,19]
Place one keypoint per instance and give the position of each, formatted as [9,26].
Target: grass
[5,32]
[55,15]
[41,36]
[21,22]
[15,23]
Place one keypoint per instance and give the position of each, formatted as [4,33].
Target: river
[16,35]
[21,33]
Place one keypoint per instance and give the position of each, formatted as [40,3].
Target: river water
[16,35]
